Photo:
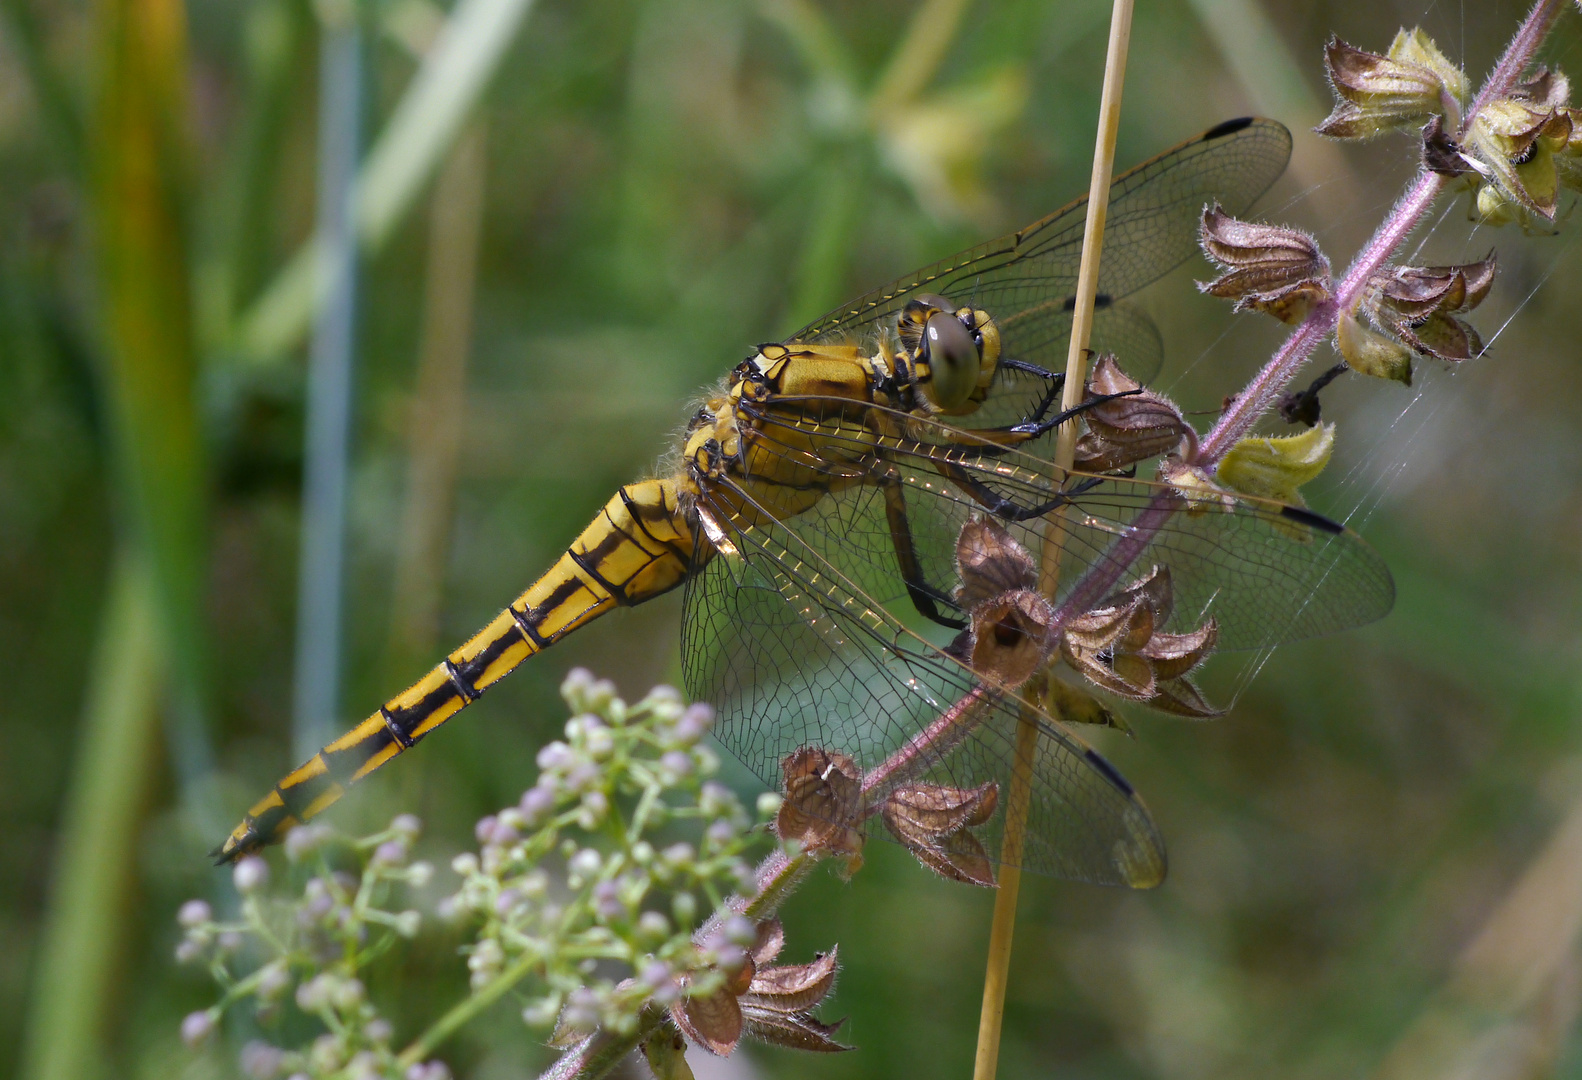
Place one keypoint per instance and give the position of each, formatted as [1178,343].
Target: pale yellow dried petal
[1368,353]
[1276,467]
[1073,705]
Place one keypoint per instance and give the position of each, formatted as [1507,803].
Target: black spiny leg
[924,597]
[1038,427]
[1008,509]
[996,440]
[1056,381]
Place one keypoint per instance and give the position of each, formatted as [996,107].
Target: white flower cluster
[315,941]
[614,930]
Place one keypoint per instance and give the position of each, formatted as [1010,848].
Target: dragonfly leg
[925,598]
[1055,380]
[1009,509]
[996,440]
[1035,428]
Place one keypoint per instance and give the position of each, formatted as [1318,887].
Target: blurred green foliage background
[599,207]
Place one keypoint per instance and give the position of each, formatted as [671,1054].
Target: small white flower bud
[193,913]
[542,1012]
[585,863]
[769,804]
[196,1026]
[653,926]
[250,875]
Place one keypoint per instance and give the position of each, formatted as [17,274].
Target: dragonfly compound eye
[953,361]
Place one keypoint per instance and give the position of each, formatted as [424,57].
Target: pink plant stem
[927,746]
[1260,395]
[1266,387]
[1518,54]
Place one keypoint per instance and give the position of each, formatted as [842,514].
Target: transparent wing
[794,653]
[1025,279]
[809,636]
[1267,573]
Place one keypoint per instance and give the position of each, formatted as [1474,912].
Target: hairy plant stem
[1265,389]
[1260,395]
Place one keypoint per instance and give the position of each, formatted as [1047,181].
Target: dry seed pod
[990,563]
[1443,155]
[1375,94]
[1268,268]
[1126,430]
[1416,306]
[823,804]
[1517,141]
[1119,646]
[932,821]
[774,1004]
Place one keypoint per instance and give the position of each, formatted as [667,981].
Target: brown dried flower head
[1120,647]
[1402,89]
[1417,305]
[933,822]
[823,807]
[1268,268]
[1443,155]
[1008,634]
[1126,430]
[773,1004]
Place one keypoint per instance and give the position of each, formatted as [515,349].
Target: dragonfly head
[954,351]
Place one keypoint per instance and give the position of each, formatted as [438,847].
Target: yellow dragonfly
[818,503]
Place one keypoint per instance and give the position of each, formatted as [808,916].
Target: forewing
[783,639]
[1265,572]
[1151,227]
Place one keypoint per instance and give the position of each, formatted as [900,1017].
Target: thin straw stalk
[1001,931]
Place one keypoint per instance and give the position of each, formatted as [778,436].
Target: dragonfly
[815,512]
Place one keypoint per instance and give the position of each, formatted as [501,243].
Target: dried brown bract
[1442,154]
[1126,430]
[773,1004]
[990,563]
[1120,647]
[1268,268]
[933,822]
[1402,89]
[1417,305]
[823,808]
[1008,635]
